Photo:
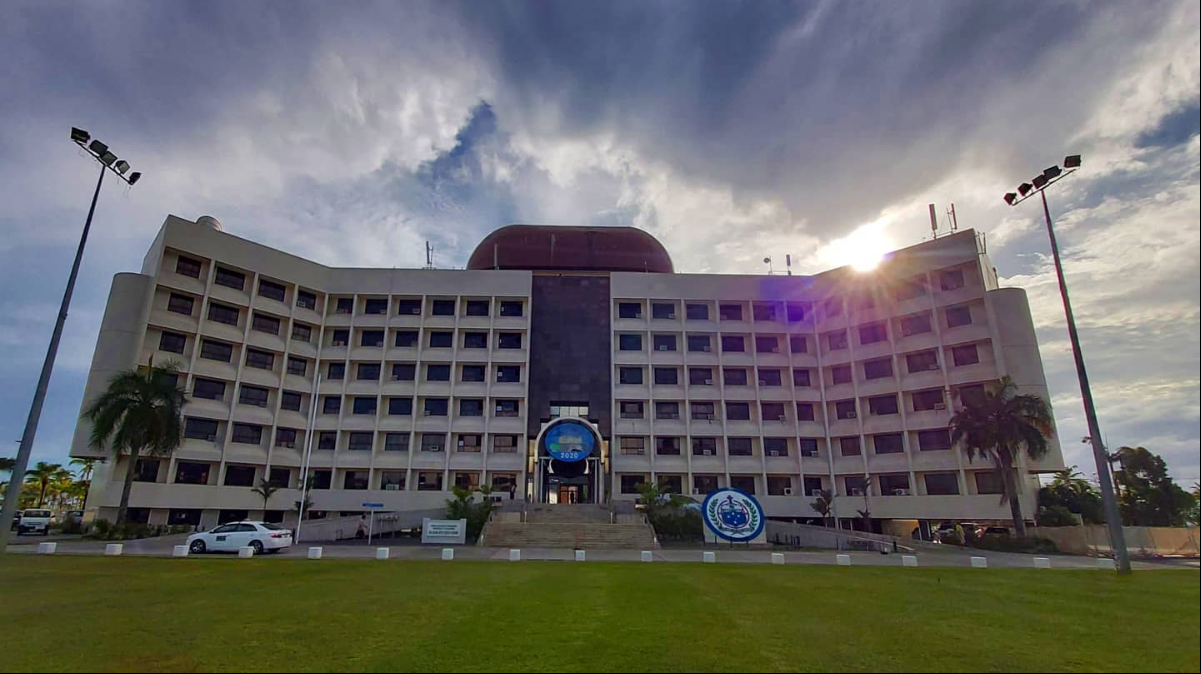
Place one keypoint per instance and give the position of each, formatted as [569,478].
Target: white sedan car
[259,536]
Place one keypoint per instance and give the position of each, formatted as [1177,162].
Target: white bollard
[382,553]
[777,558]
[1107,564]
[1042,562]
[47,548]
[179,551]
[245,552]
[842,560]
[908,560]
[709,557]
[448,554]
[979,563]
[580,556]
[114,549]
[647,556]
[315,553]
[515,555]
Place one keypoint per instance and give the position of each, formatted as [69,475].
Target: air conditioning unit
[850,415]
[763,382]
[706,348]
[672,316]
[434,449]
[391,487]
[940,406]
[900,492]
[426,413]
[339,342]
[415,311]
[212,437]
[856,492]
[708,382]
[706,452]
[460,443]
[696,490]
[815,492]
[663,347]
[788,491]
[774,452]
[782,418]
[774,349]
[809,454]
[932,366]
[671,415]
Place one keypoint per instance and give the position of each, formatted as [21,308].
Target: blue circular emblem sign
[569,442]
[733,515]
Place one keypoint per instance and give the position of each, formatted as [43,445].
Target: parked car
[992,531]
[35,520]
[260,536]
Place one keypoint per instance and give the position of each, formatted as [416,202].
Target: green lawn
[103,614]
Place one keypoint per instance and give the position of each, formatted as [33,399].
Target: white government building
[778,385]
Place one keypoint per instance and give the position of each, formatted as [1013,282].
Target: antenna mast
[933,221]
[429,256]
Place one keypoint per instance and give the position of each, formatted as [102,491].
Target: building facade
[397,384]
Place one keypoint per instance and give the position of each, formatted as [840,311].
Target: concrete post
[114,549]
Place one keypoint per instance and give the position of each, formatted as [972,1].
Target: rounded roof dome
[542,247]
[210,221]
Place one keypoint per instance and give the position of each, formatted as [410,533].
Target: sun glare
[862,249]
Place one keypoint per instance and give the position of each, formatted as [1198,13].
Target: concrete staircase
[581,527]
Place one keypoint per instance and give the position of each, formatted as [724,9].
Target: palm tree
[140,411]
[7,464]
[999,428]
[824,504]
[1072,480]
[265,490]
[41,476]
[86,466]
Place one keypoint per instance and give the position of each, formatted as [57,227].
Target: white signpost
[443,532]
[371,508]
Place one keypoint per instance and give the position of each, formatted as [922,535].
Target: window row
[881,443]
[197,428]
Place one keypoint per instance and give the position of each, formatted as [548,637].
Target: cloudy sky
[351,133]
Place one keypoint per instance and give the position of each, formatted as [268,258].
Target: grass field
[103,614]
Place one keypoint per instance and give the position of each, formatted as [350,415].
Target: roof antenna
[767,261]
[429,256]
[788,262]
[953,219]
[933,221]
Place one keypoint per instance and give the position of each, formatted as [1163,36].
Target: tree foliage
[464,506]
[1069,492]
[1149,496]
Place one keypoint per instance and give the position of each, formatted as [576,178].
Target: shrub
[1030,544]
[464,507]
[1056,516]
[677,524]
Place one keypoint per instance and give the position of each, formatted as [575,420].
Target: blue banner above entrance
[569,442]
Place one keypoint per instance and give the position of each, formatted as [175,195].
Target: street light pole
[12,496]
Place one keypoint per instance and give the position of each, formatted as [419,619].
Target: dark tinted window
[216,351]
[271,290]
[223,313]
[172,342]
[186,266]
[230,278]
[180,304]
[248,434]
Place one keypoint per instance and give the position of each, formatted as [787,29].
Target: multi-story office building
[399,383]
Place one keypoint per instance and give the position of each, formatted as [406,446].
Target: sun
[862,249]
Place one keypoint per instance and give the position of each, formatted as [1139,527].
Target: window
[327,440]
[696,312]
[223,313]
[703,411]
[475,340]
[808,447]
[796,311]
[435,407]
[763,312]
[704,446]
[344,305]
[367,372]
[915,325]
[739,447]
[802,378]
[361,441]
[767,344]
[469,442]
[629,310]
[365,405]
[894,485]
[630,375]
[510,374]
[280,478]
[703,484]
[770,377]
[216,350]
[404,371]
[883,405]
[630,483]
[146,470]
[264,323]
[322,479]
[506,408]
[271,290]
[738,411]
[180,304]
[375,306]
[837,341]
[508,340]
[252,395]
[700,376]
[667,446]
[798,344]
[188,472]
[988,483]
[443,308]
[744,482]
[286,437]
[632,409]
[172,342]
[922,361]
[855,485]
[951,279]
[930,399]
[888,443]
[841,374]
[336,371]
[396,442]
[331,405]
[297,366]
[306,300]
[289,400]
[247,434]
[942,484]
[400,406]
[832,307]
[959,316]
[775,446]
[845,409]
[804,412]
[239,476]
[700,343]
[633,446]
[210,389]
[849,446]
[433,442]
[186,266]
[406,338]
[734,376]
[511,308]
[733,344]
[664,342]
[878,369]
[473,373]
[629,342]
[671,484]
[371,338]
[872,333]
[663,311]
[972,394]
[934,440]
[302,332]
[230,278]
[965,355]
[772,412]
[729,312]
[409,307]
[914,287]
[779,485]
[667,376]
[355,479]
[440,372]
[476,308]
[471,407]
[505,444]
[442,340]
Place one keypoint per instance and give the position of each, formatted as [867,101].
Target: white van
[34,520]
